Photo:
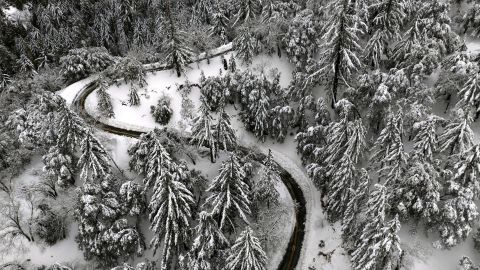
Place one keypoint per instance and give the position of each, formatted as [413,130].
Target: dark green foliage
[162,112]
[80,63]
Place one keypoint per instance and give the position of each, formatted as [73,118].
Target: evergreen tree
[258,105]
[224,133]
[202,10]
[457,216]
[353,210]
[467,264]
[389,156]
[467,170]
[246,253]
[98,208]
[209,239]
[282,120]
[178,53]
[150,157]
[387,18]
[245,45]
[104,104]
[94,160]
[457,136]
[247,10]
[220,25]
[59,166]
[419,194]
[132,199]
[229,193]
[339,52]
[202,130]
[342,181]
[425,141]
[264,190]
[163,111]
[170,214]
[70,129]
[120,241]
[378,246]
[301,40]
[470,93]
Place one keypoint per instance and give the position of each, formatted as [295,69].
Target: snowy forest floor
[420,252]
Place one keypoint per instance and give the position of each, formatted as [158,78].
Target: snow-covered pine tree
[457,136]
[339,57]
[264,190]
[378,244]
[467,264]
[209,240]
[104,104]
[245,45]
[70,129]
[98,207]
[282,119]
[133,97]
[247,253]
[388,155]
[425,140]
[178,52]
[220,25]
[419,195]
[247,11]
[120,241]
[457,216]
[467,170]
[470,93]
[150,157]
[470,20]
[342,182]
[224,133]
[94,160]
[387,18]
[345,138]
[132,199]
[203,130]
[59,166]
[355,206]
[256,118]
[163,111]
[229,193]
[202,11]
[301,40]
[170,214]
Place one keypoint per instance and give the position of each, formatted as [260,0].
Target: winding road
[292,255]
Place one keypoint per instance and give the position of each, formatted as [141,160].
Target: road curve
[292,255]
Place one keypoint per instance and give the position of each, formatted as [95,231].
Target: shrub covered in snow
[163,111]
[79,63]
[49,226]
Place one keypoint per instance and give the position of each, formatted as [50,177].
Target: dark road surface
[292,254]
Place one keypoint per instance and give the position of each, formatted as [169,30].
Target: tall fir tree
[467,170]
[246,253]
[264,189]
[386,19]
[94,160]
[104,104]
[229,193]
[425,140]
[355,207]
[205,251]
[245,45]
[70,129]
[178,52]
[470,93]
[203,132]
[342,181]
[457,136]
[150,157]
[339,54]
[224,133]
[247,10]
[378,245]
[170,214]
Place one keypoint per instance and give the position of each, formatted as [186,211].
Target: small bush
[162,112]
[80,63]
[49,226]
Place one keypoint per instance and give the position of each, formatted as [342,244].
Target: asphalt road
[292,254]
